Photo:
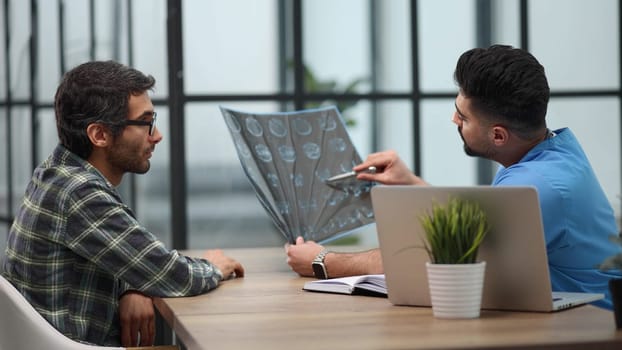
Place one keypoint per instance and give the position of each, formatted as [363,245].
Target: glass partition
[240,54]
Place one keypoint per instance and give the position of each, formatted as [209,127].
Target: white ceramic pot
[456,289]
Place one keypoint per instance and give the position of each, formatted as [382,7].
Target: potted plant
[453,233]
[615,284]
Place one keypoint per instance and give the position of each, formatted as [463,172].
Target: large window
[388,65]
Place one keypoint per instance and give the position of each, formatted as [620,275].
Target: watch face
[319,270]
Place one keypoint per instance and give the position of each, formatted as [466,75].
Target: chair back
[22,327]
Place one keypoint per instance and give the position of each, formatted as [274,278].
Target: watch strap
[317,265]
[321,256]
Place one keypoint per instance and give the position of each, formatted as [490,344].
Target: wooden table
[268,309]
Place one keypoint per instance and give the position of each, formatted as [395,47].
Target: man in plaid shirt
[75,250]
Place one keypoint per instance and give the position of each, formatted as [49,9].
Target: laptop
[517,274]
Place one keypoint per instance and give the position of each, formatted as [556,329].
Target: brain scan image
[292,160]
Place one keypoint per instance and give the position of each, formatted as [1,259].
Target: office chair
[22,327]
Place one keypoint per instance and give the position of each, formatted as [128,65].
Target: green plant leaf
[454,231]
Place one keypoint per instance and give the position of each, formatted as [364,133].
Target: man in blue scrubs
[500,115]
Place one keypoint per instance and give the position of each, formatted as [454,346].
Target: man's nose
[157,135]
[455,119]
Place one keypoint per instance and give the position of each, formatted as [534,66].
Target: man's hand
[301,254]
[391,170]
[228,266]
[137,318]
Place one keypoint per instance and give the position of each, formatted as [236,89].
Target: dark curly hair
[506,85]
[95,92]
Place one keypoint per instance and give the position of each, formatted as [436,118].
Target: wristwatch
[319,269]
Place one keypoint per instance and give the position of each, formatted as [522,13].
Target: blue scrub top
[577,217]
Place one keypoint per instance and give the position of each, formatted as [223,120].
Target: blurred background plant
[313,85]
[615,261]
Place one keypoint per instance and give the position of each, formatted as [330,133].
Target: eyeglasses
[150,123]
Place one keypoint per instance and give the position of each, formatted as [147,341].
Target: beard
[469,151]
[129,157]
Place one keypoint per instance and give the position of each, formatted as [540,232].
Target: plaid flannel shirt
[75,248]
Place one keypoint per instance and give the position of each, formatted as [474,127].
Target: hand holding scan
[390,170]
[349,183]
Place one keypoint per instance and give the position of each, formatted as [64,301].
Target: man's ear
[500,135]
[99,135]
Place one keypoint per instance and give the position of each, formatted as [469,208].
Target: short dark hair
[95,92]
[507,85]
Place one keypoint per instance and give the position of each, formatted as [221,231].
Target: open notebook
[364,284]
[517,274]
